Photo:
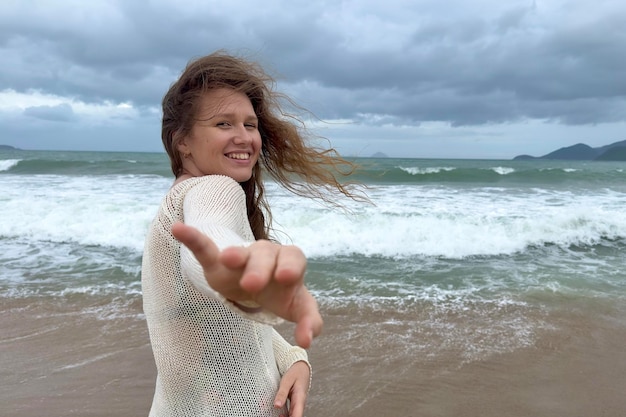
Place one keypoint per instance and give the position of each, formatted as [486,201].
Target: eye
[222,124]
[250,125]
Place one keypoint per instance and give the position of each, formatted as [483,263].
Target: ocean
[454,263]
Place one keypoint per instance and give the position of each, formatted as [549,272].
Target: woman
[210,303]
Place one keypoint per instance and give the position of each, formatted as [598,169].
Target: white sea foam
[425,170]
[503,170]
[405,220]
[7,164]
[446,223]
[104,211]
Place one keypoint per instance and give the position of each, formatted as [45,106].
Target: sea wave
[425,170]
[442,222]
[370,170]
[494,175]
[83,167]
[8,164]
[403,221]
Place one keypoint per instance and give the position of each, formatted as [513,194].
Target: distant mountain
[582,152]
[8,148]
[617,153]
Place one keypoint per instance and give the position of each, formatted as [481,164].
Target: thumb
[286,383]
[202,247]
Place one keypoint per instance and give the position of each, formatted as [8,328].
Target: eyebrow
[230,116]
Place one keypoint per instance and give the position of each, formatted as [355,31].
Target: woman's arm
[221,258]
[215,206]
[265,273]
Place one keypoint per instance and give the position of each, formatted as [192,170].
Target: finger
[260,266]
[234,257]
[296,405]
[304,333]
[291,265]
[202,247]
[307,317]
[284,389]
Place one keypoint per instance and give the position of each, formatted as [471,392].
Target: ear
[182,146]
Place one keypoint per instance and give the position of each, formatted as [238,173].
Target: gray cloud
[61,113]
[394,62]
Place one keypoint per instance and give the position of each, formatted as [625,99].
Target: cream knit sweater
[212,358]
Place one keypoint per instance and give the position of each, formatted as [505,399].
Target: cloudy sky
[417,78]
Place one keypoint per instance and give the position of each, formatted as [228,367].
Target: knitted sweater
[212,358]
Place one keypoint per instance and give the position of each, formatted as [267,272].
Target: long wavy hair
[285,153]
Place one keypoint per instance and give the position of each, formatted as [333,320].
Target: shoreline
[76,364]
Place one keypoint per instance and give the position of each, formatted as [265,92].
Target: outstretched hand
[267,273]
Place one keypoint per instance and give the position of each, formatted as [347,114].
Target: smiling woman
[211,302]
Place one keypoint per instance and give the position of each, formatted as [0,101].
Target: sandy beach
[57,363]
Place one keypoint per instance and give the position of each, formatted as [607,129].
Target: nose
[242,135]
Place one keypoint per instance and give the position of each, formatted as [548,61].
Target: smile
[242,156]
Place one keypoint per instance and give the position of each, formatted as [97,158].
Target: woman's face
[225,138]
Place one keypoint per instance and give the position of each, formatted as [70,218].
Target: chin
[241,177]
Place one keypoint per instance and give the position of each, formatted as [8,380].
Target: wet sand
[56,362]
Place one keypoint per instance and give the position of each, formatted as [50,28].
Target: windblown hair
[285,154]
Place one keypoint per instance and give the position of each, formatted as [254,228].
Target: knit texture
[212,358]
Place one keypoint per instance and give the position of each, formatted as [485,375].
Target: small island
[379,155]
[8,148]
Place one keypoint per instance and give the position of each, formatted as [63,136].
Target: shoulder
[211,194]
[211,186]
[218,182]
[213,181]
[205,190]
[215,200]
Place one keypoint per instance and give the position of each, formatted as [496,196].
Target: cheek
[258,142]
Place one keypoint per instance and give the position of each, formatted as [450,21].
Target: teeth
[239,155]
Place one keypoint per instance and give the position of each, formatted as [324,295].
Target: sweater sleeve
[286,355]
[216,206]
